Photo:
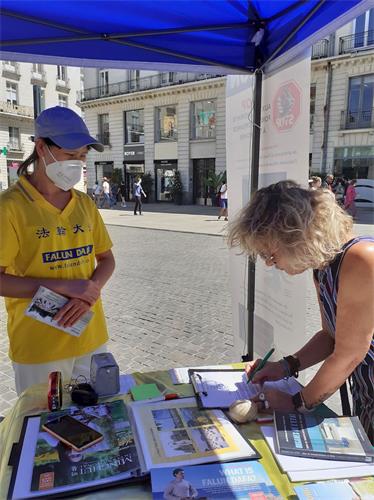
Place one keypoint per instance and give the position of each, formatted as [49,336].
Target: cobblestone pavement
[168,303]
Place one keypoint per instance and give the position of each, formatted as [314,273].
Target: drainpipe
[326,119]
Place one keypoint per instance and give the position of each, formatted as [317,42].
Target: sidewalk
[168,217]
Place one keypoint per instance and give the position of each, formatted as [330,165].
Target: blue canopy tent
[216,36]
[228,36]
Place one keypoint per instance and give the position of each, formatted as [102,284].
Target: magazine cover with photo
[57,465]
[226,481]
[177,432]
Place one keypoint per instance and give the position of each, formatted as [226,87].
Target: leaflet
[46,304]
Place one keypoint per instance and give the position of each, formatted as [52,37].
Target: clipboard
[218,389]
[207,395]
[21,454]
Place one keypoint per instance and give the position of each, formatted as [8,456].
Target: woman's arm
[104,269]
[354,324]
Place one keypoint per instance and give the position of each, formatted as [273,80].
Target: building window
[39,99]
[134,77]
[360,102]
[134,126]
[203,120]
[104,82]
[37,68]
[11,93]
[63,100]
[355,162]
[104,129]
[166,124]
[14,138]
[312,108]
[62,73]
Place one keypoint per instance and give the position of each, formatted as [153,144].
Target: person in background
[53,236]
[329,183]
[106,194]
[315,182]
[114,191]
[138,192]
[97,193]
[350,197]
[295,229]
[223,201]
[339,191]
[122,193]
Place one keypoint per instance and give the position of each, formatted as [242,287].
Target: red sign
[286,106]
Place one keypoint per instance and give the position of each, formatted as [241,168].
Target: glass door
[164,179]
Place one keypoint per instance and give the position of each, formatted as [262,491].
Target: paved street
[168,303]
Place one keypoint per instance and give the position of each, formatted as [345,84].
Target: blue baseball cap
[65,128]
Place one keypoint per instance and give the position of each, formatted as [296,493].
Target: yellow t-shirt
[40,240]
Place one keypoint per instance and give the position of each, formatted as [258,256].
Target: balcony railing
[16,109]
[358,41]
[11,70]
[320,49]
[357,119]
[139,84]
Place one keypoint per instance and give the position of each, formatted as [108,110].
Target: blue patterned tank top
[328,280]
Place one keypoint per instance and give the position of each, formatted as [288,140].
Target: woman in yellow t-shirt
[53,236]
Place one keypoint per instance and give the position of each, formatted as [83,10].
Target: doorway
[203,168]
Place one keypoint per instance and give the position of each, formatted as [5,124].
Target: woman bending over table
[296,229]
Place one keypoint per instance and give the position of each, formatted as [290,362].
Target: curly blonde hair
[309,226]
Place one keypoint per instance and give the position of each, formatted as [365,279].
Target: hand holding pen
[260,364]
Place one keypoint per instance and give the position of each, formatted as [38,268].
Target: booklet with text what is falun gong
[44,306]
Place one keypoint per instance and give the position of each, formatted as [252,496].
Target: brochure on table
[227,481]
[177,433]
[220,388]
[44,467]
[312,469]
[332,438]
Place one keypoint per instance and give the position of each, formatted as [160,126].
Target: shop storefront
[164,174]
[133,165]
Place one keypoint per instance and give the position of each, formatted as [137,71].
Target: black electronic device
[72,432]
[84,395]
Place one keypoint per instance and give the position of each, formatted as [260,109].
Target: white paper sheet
[313,469]
[180,375]
[219,389]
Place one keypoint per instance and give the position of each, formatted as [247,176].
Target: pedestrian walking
[138,192]
[223,201]
[329,182]
[315,182]
[350,197]
[106,194]
[296,229]
[122,194]
[97,193]
[53,236]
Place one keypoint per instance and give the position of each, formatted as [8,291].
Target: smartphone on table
[72,432]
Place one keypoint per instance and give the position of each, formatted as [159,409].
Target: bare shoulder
[358,263]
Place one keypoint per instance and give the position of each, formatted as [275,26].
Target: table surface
[34,401]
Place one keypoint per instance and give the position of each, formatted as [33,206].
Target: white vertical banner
[280,299]
[239,110]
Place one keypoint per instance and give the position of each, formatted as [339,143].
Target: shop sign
[133,153]
[135,169]
[166,164]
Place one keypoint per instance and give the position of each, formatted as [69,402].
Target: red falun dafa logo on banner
[286,106]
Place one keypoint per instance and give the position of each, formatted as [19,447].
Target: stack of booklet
[309,447]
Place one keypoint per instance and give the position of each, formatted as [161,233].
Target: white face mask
[64,173]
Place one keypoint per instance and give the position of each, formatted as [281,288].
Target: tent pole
[255,162]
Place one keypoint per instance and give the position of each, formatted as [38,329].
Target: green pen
[261,365]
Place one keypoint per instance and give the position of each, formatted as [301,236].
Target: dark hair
[22,169]
[177,471]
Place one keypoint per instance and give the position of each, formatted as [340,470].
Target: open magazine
[45,305]
[46,467]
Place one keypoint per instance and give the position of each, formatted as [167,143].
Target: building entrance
[202,169]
